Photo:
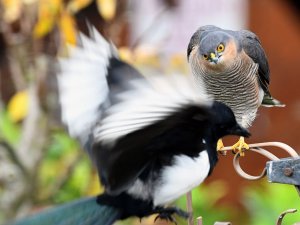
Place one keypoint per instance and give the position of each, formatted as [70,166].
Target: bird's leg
[169,212]
[220,145]
[240,147]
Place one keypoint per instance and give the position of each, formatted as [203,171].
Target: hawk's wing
[252,46]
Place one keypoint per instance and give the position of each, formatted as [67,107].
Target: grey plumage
[233,67]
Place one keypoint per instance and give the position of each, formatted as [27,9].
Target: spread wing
[148,120]
[253,48]
[116,113]
[88,80]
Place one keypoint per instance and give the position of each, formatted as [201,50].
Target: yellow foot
[220,145]
[240,147]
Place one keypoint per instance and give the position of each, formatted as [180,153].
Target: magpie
[151,138]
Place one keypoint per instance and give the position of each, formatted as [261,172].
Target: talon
[166,217]
[240,147]
[167,214]
[220,145]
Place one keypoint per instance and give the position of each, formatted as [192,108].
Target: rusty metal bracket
[285,171]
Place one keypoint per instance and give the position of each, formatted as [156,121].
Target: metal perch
[285,171]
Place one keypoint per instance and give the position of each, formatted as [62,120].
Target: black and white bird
[152,139]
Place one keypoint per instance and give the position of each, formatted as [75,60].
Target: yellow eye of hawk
[220,48]
[205,57]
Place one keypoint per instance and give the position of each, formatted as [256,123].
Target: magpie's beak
[240,131]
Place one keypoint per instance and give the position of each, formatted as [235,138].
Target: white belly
[185,174]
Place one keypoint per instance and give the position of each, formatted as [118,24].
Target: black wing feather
[120,165]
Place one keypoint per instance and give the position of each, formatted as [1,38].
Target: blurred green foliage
[267,201]
[206,203]
[9,131]
[66,166]
[65,172]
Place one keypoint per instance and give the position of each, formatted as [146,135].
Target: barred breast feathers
[236,85]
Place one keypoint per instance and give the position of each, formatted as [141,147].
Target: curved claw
[166,217]
[240,147]
[169,212]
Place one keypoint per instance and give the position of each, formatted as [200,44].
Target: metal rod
[280,218]
[189,206]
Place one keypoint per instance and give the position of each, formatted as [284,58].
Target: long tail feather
[84,211]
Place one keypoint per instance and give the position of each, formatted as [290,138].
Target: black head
[224,122]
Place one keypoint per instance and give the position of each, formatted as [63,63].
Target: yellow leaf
[107,8]
[43,27]
[147,56]
[76,5]
[28,2]
[178,63]
[18,106]
[126,55]
[68,28]
[12,10]
[48,11]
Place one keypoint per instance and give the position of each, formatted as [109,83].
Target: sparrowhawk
[233,68]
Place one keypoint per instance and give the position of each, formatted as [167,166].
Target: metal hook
[280,218]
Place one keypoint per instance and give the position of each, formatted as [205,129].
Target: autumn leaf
[68,28]
[107,8]
[126,55]
[76,5]
[178,63]
[43,27]
[12,10]
[48,11]
[18,106]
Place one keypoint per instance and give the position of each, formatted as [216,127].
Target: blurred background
[41,166]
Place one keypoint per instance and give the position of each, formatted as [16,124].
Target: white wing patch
[145,104]
[82,83]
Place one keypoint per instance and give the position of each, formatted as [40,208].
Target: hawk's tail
[269,101]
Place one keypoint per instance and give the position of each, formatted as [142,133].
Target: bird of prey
[233,68]
[152,139]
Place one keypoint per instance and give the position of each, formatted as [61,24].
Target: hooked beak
[214,58]
[240,131]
